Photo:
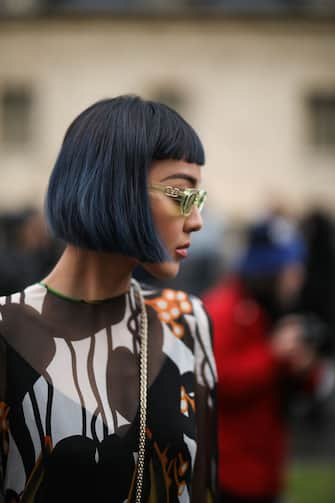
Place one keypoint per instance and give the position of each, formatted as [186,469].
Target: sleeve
[204,485]
[244,370]
[3,413]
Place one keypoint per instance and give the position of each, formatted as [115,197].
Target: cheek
[168,223]
[169,233]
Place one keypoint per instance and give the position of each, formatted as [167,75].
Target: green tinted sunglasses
[188,198]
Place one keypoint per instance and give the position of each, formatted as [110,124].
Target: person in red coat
[260,354]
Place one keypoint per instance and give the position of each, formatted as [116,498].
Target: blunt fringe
[97,196]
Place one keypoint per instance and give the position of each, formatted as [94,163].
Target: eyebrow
[181,176]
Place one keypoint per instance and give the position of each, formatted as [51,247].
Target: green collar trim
[71,299]
[59,294]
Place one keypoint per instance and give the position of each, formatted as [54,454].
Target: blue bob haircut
[97,196]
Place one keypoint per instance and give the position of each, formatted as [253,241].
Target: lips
[182,251]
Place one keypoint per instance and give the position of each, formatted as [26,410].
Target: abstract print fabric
[69,407]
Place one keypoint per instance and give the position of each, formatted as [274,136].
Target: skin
[290,282]
[288,345]
[173,228]
[287,341]
[90,275]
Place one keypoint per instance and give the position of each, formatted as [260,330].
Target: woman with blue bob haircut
[107,387]
[97,197]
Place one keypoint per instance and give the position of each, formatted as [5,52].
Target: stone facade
[243,84]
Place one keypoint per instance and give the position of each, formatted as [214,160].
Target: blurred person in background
[107,388]
[312,421]
[27,250]
[262,358]
[318,293]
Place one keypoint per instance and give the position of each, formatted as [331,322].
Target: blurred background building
[257,80]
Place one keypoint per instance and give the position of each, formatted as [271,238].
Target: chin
[162,270]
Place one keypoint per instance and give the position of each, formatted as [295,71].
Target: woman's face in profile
[174,229]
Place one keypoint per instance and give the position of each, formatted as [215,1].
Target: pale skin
[91,276]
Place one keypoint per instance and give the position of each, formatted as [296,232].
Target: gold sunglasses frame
[183,195]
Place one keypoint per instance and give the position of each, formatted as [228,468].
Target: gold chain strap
[143,390]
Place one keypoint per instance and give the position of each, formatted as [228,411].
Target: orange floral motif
[186,401]
[4,429]
[170,306]
[37,475]
[175,469]
[4,409]
[180,468]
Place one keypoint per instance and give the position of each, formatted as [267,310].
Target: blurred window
[20,7]
[16,104]
[322,120]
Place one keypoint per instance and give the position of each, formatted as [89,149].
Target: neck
[91,275]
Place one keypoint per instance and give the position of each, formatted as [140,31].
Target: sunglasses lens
[193,199]
[202,200]
[188,202]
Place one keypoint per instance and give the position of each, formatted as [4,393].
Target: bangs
[174,137]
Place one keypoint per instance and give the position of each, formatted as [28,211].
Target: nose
[193,222]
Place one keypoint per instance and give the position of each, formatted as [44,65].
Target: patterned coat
[69,407]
